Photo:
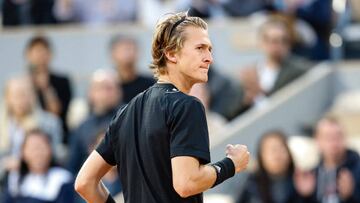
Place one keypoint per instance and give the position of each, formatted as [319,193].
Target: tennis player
[159,141]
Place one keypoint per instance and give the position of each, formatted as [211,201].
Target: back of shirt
[154,127]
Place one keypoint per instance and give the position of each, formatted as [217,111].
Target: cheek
[268,160]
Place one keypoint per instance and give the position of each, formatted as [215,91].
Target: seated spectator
[53,90]
[273,179]
[39,180]
[124,52]
[337,177]
[278,69]
[104,98]
[214,120]
[96,11]
[318,13]
[19,114]
[15,13]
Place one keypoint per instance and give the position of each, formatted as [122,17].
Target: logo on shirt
[173,90]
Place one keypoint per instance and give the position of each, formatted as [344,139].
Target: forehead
[274,30]
[196,35]
[329,128]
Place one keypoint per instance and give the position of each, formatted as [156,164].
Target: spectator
[104,98]
[53,90]
[95,11]
[318,13]
[18,115]
[277,70]
[124,52]
[39,180]
[273,180]
[337,177]
[214,120]
[27,12]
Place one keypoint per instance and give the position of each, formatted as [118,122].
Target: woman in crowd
[18,114]
[39,180]
[272,182]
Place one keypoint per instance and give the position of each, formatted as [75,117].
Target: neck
[126,73]
[181,83]
[20,117]
[272,63]
[333,162]
[37,170]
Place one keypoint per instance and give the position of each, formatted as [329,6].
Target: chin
[202,80]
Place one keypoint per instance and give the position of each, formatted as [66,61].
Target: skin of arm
[192,179]
[88,181]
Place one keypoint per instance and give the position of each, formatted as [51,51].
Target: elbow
[81,185]
[183,189]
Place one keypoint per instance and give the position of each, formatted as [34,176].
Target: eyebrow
[205,45]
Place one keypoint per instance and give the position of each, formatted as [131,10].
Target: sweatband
[225,169]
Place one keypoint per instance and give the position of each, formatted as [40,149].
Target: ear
[171,56]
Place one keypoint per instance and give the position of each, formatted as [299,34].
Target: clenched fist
[240,155]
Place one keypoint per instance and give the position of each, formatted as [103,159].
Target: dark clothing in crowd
[291,69]
[62,88]
[84,136]
[156,126]
[131,89]
[282,190]
[225,94]
[319,15]
[326,181]
[242,8]
[35,12]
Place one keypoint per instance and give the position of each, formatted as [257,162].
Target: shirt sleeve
[105,148]
[188,131]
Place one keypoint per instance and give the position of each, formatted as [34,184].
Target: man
[337,177]
[279,67]
[159,141]
[124,54]
[104,99]
[53,90]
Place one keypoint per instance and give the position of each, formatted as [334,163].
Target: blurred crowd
[312,20]
[46,132]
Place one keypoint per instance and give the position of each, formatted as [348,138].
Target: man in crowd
[337,177]
[278,68]
[53,90]
[124,52]
[104,99]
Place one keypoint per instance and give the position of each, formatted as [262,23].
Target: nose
[208,58]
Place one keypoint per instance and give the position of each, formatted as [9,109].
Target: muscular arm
[88,181]
[190,177]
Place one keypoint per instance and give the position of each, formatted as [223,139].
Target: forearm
[204,179]
[88,181]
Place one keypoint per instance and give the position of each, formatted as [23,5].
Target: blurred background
[285,82]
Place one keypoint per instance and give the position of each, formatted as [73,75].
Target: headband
[176,24]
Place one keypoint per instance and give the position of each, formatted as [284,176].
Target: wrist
[225,169]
